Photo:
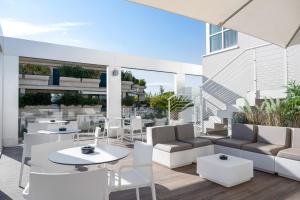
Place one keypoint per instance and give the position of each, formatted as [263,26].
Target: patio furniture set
[270,149]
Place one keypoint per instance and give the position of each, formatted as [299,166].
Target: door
[55,76]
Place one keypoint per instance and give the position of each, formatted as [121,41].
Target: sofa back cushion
[296,137]
[244,132]
[274,135]
[161,134]
[184,131]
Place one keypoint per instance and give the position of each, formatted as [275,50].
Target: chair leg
[137,193]
[153,191]
[21,171]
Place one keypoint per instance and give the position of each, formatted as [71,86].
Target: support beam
[114,93]
[10,100]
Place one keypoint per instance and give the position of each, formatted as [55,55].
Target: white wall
[179,83]
[114,94]
[10,100]
[1,86]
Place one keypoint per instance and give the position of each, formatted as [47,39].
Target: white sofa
[176,146]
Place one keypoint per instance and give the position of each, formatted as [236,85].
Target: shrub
[35,99]
[128,101]
[78,72]
[33,69]
[142,82]
[76,99]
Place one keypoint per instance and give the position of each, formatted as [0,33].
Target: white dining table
[60,133]
[52,122]
[103,153]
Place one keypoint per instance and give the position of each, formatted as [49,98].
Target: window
[221,38]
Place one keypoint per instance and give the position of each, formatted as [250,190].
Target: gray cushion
[231,142]
[213,138]
[197,142]
[296,138]
[290,153]
[244,132]
[162,134]
[173,146]
[269,149]
[274,135]
[184,131]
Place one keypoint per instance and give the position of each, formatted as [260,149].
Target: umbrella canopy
[275,21]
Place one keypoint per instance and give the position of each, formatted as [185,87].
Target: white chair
[31,139]
[136,124]
[137,175]
[98,133]
[111,125]
[90,185]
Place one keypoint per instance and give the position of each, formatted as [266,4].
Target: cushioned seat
[173,146]
[197,142]
[263,148]
[291,153]
[231,142]
[213,138]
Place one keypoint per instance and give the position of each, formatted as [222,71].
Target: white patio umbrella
[275,21]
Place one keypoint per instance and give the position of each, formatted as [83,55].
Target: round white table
[57,131]
[52,122]
[104,153]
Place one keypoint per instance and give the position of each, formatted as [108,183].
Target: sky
[109,25]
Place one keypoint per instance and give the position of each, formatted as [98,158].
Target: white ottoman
[225,172]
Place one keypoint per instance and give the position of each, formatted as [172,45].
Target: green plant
[142,82]
[35,99]
[128,101]
[33,69]
[78,72]
[126,76]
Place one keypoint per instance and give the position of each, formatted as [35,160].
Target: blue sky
[110,25]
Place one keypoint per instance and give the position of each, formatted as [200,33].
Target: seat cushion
[290,153]
[197,142]
[244,132]
[213,138]
[173,147]
[269,149]
[184,131]
[231,142]
[274,135]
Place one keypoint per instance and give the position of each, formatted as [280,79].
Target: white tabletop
[51,122]
[56,131]
[230,162]
[104,153]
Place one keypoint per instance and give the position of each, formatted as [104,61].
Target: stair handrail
[232,60]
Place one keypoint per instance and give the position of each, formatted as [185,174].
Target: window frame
[222,31]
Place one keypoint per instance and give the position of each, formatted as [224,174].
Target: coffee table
[227,173]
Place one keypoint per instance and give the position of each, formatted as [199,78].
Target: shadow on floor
[13,152]
[3,196]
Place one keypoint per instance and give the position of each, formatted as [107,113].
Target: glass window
[229,38]
[216,42]
[214,29]
[221,38]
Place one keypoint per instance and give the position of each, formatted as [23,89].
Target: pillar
[114,94]
[179,83]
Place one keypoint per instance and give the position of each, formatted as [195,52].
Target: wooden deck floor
[181,183]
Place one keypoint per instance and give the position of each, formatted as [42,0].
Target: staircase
[225,92]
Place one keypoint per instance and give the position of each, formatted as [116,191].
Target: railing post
[169,111]
[254,73]
[201,110]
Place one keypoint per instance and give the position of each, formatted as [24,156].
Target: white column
[10,100]
[179,83]
[114,93]
[1,97]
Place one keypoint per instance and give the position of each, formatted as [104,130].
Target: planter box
[33,80]
[77,82]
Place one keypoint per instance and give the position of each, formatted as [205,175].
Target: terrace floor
[181,183]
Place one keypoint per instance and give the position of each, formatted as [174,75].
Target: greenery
[33,69]
[79,72]
[127,76]
[76,99]
[275,112]
[128,101]
[34,99]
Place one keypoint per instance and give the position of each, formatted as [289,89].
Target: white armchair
[31,139]
[139,174]
[90,185]
[136,124]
